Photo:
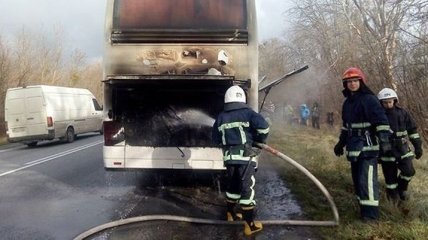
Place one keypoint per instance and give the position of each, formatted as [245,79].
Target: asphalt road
[57,191]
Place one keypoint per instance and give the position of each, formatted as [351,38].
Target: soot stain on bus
[167,116]
[191,60]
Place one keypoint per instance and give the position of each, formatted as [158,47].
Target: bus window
[180,14]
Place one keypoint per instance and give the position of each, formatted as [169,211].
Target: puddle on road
[200,199]
[275,200]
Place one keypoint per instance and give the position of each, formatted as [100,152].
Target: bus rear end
[167,65]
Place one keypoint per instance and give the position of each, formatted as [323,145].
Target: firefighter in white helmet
[397,164]
[236,129]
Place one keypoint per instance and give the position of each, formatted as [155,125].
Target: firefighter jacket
[403,127]
[236,129]
[364,122]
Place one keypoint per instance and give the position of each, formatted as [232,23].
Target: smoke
[307,87]
[296,90]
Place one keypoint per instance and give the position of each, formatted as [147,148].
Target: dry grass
[313,149]
[3,140]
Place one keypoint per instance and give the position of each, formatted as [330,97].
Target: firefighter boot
[392,195]
[369,213]
[402,189]
[251,226]
[231,212]
[403,195]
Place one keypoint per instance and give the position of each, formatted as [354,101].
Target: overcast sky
[83,20]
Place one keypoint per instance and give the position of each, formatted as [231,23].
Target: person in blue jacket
[304,114]
[364,122]
[236,129]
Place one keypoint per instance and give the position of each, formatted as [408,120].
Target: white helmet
[235,94]
[387,93]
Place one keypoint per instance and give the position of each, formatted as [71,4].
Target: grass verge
[3,140]
[313,149]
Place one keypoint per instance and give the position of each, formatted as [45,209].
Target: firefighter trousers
[398,180]
[240,184]
[366,186]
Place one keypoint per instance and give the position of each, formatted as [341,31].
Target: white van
[40,112]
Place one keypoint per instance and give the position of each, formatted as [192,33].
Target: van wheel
[32,144]
[69,135]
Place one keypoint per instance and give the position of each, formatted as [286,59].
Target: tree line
[388,40]
[36,58]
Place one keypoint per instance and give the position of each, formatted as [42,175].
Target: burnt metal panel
[168,77]
[180,14]
[209,80]
[234,36]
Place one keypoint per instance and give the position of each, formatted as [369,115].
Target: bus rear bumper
[137,157]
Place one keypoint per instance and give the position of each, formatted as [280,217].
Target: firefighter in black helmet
[236,129]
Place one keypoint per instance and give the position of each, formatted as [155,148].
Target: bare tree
[5,68]
[91,79]
[324,42]
[387,39]
[50,52]
[382,20]
[77,65]
[273,61]
[5,63]
[23,59]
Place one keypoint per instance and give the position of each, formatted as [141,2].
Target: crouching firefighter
[401,156]
[364,122]
[236,129]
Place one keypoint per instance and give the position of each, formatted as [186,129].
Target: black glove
[338,149]
[418,153]
[256,151]
[417,144]
[251,151]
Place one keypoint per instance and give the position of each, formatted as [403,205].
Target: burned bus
[167,65]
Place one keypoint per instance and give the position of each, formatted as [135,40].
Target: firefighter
[236,129]
[364,121]
[401,156]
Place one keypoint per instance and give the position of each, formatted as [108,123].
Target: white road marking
[49,158]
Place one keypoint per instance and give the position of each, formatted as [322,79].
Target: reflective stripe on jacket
[236,129]
[402,126]
[363,119]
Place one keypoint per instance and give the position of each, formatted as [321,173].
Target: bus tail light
[113,133]
[50,121]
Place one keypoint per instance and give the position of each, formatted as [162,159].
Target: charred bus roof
[188,21]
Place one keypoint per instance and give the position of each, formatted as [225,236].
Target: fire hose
[330,223]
